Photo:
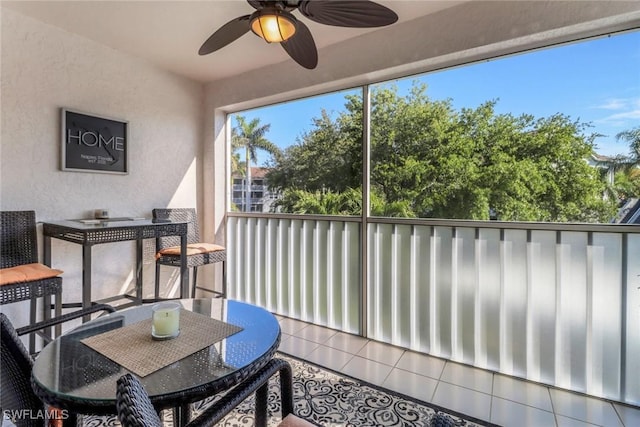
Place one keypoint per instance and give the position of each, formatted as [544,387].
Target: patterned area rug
[327,398]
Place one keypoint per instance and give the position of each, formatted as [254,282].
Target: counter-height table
[221,344]
[94,232]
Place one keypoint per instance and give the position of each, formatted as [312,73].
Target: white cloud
[633,114]
[626,110]
[613,104]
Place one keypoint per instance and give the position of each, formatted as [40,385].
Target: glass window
[527,137]
[307,154]
[551,135]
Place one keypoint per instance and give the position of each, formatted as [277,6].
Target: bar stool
[198,253]
[22,277]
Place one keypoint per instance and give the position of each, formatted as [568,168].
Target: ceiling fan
[274,22]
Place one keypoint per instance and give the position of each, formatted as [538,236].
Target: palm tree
[251,137]
[236,165]
[632,136]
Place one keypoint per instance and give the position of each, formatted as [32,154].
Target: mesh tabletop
[133,347]
[71,375]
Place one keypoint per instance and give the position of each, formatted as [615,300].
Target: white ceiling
[169,33]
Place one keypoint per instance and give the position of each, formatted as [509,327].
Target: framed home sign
[94,144]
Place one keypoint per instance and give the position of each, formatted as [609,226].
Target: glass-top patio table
[70,375]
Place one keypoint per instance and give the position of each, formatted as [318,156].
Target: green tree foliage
[627,184]
[328,157]
[627,177]
[626,168]
[432,161]
[348,202]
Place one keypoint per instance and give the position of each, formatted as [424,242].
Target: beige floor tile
[463,400]
[572,422]
[298,347]
[523,392]
[584,408]
[291,326]
[508,413]
[329,357]
[421,364]
[284,337]
[315,333]
[468,377]
[347,342]
[630,415]
[367,370]
[414,385]
[383,353]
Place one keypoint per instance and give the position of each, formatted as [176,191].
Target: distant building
[603,162]
[261,197]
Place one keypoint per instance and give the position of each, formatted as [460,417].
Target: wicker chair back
[136,410]
[18,238]
[16,394]
[133,404]
[17,397]
[178,214]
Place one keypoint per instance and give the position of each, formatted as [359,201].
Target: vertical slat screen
[488,284]
[305,269]
[539,304]
[605,343]
[513,303]
[632,315]
[555,306]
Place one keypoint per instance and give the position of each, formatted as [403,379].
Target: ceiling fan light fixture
[273,25]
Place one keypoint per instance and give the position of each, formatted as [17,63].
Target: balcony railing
[553,303]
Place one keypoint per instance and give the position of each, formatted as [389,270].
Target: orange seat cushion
[27,273]
[192,249]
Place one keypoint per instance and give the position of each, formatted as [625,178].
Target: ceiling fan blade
[301,47]
[226,34]
[348,13]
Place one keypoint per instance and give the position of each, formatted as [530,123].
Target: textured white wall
[43,69]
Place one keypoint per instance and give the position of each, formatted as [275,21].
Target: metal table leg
[46,300]
[184,273]
[86,280]
[139,268]
[181,415]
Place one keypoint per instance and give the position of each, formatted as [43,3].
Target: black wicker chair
[136,410]
[168,250]
[19,247]
[17,396]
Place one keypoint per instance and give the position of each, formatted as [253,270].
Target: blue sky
[597,82]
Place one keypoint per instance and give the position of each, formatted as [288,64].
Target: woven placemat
[133,348]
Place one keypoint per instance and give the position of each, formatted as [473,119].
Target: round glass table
[70,375]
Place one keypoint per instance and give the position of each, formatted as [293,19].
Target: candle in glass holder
[165,323]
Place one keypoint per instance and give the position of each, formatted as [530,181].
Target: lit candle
[166,320]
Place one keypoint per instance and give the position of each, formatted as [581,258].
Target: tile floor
[497,398]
